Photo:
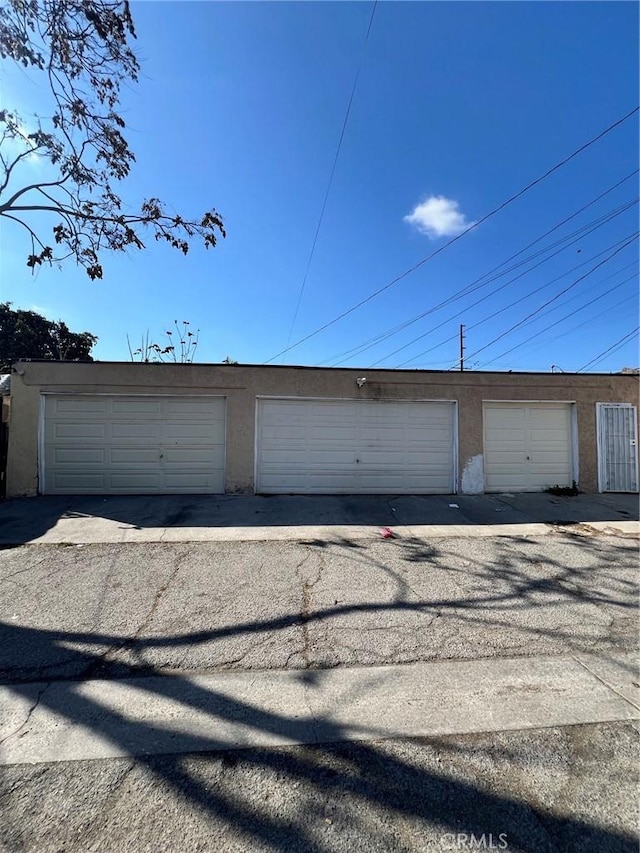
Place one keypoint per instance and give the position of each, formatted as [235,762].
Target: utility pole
[461,347]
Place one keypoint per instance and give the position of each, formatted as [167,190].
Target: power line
[479,283]
[632,298]
[453,240]
[562,319]
[510,304]
[567,332]
[332,173]
[618,344]
[533,318]
[553,299]
[604,220]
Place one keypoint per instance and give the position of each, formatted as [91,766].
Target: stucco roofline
[412,371]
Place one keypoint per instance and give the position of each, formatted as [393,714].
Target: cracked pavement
[555,790]
[179,608]
[110,610]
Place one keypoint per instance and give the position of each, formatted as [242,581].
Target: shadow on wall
[25,519]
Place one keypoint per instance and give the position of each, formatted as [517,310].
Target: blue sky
[458,106]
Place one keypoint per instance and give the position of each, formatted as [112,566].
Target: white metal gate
[617,447]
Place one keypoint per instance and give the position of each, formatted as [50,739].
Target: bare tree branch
[10,203]
[34,236]
[81,49]
[8,169]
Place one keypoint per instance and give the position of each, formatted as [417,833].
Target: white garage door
[348,447]
[527,446]
[133,445]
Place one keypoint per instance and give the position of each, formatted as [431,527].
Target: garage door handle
[528,458]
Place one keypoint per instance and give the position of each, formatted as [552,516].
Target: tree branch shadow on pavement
[499,590]
[23,520]
[366,773]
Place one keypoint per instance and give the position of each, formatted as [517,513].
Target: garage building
[126,428]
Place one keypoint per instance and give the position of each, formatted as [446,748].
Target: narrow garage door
[133,445]
[527,446]
[348,447]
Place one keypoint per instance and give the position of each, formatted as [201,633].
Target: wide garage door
[527,446]
[106,444]
[348,447]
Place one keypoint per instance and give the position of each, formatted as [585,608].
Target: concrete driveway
[193,518]
[271,674]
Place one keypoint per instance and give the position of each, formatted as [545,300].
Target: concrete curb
[97,531]
[67,720]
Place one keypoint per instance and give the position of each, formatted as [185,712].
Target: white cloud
[438,216]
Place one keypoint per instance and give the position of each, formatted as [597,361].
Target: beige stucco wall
[242,384]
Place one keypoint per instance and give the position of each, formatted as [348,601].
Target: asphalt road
[72,612]
[543,791]
[114,610]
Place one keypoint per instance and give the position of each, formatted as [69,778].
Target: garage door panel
[341,483]
[527,447]
[297,433]
[505,432]
[77,431]
[127,445]
[74,406]
[505,459]
[193,432]
[339,433]
[132,456]
[554,443]
[135,479]
[274,433]
[85,456]
[547,412]
[272,452]
[553,470]
[504,449]
[141,431]
[193,408]
[213,438]
[144,406]
[557,434]
[188,481]
[327,482]
[209,456]
[550,458]
[392,458]
[308,458]
[498,415]
[317,446]
[506,483]
[79,483]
